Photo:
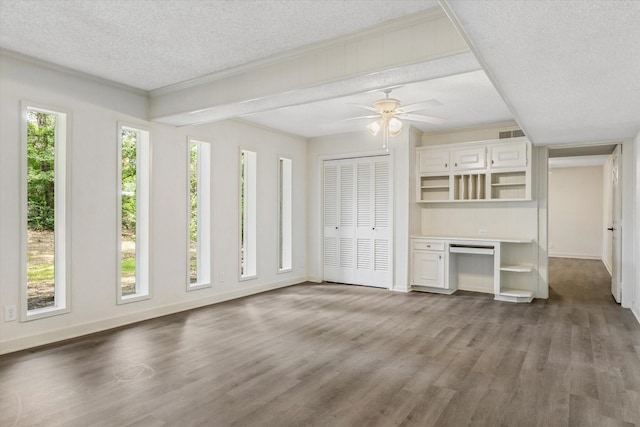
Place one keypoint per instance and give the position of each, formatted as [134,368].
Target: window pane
[41,139]
[248,189]
[199,214]
[193,215]
[129,210]
[285,202]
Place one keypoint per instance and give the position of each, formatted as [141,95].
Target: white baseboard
[635,309]
[49,337]
[576,256]
[607,266]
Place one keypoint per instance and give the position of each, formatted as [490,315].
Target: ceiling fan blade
[366,107]
[420,118]
[374,116]
[420,105]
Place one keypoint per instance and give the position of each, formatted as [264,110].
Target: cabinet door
[428,269]
[433,160]
[509,155]
[469,158]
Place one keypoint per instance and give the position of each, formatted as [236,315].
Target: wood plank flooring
[336,355]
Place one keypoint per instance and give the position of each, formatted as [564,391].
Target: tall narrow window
[248,192]
[134,185]
[46,284]
[285,218]
[199,215]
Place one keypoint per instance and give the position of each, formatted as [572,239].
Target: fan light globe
[374,127]
[395,126]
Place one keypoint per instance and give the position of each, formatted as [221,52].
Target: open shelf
[517,268]
[433,188]
[469,186]
[514,295]
[508,185]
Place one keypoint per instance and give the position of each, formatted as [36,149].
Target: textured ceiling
[150,44]
[568,69]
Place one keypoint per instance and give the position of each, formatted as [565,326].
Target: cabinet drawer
[428,245]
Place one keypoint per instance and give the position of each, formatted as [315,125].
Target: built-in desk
[502,266]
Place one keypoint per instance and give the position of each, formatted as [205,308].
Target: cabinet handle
[455,164]
[336,228]
[373,228]
[428,246]
[446,165]
[491,161]
[439,256]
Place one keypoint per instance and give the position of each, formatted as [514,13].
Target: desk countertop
[476,239]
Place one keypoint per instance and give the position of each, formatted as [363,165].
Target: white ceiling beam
[418,47]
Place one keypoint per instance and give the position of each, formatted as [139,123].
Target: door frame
[627,272]
[617,225]
[320,203]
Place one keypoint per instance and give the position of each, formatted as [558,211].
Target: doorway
[585,195]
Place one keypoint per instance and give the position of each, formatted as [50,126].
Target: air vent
[511,134]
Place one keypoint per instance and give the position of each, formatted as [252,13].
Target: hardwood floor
[339,355]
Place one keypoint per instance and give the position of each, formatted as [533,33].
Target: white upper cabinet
[469,158]
[433,161]
[474,171]
[509,155]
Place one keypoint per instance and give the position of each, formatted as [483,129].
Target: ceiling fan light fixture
[395,126]
[374,127]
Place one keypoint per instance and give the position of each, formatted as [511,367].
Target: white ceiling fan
[389,112]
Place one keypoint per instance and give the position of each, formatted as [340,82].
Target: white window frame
[62,203]
[285,214]
[143,215]
[248,240]
[203,216]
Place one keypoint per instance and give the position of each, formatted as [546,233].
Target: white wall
[477,133]
[357,145]
[575,212]
[95,109]
[635,289]
[628,231]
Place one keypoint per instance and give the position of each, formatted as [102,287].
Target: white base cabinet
[428,269]
[428,266]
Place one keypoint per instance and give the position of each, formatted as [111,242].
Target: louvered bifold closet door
[356,218]
[381,274]
[331,196]
[346,221]
[364,221]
